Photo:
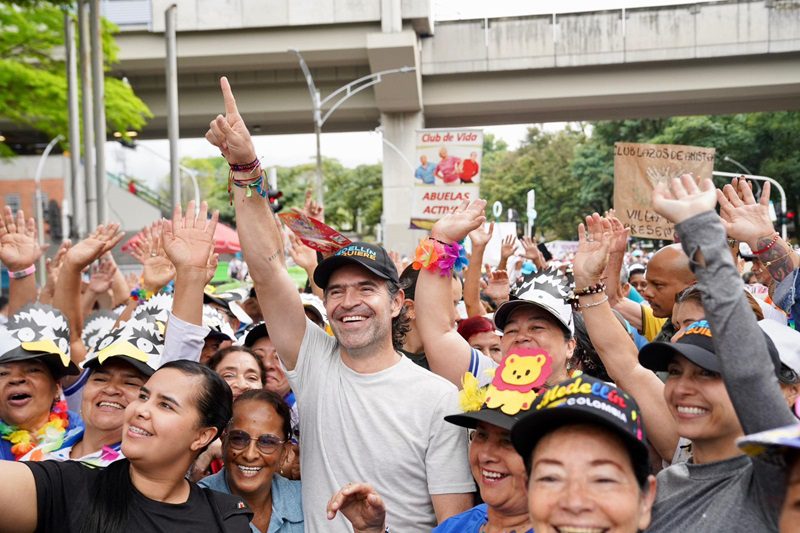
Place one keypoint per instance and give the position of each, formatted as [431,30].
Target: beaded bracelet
[140,295]
[246,167]
[436,256]
[597,288]
[768,246]
[601,301]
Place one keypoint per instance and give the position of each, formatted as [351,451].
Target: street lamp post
[750,176]
[335,99]
[37,178]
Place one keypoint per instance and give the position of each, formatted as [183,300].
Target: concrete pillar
[399,129]
[391,16]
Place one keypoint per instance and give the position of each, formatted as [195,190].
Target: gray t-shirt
[386,429]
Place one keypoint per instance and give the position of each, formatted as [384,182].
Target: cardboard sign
[314,233]
[638,168]
[448,172]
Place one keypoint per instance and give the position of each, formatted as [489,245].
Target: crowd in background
[615,389]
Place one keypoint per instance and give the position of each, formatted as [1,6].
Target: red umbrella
[226,240]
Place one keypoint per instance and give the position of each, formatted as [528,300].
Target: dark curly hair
[401,324]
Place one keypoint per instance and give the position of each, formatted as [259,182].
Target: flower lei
[440,257]
[50,436]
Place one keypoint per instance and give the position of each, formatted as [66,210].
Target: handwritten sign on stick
[638,168]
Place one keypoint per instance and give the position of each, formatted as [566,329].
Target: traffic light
[274,195]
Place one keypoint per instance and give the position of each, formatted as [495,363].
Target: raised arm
[260,236]
[53,265]
[189,246]
[18,505]
[609,338]
[507,246]
[306,258]
[78,257]
[747,220]
[630,310]
[747,369]
[472,277]
[447,352]
[19,251]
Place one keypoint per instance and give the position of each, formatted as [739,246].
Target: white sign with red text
[447,172]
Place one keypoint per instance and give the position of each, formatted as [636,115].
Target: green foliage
[353,196]
[542,163]
[33,84]
[573,173]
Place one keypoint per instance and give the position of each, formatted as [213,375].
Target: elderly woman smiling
[254,446]
[583,447]
[34,355]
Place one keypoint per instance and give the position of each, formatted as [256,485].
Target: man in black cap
[358,416]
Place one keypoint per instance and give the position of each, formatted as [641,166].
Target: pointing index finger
[227,96]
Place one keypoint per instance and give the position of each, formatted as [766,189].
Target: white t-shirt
[386,429]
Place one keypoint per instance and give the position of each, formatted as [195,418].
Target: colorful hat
[511,393]
[157,306]
[696,344]
[549,290]
[38,331]
[583,400]
[370,256]
[98,325]
[217,323]
[772,445]
[138,342]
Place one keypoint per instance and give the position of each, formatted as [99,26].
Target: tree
[33,82]
[542,162]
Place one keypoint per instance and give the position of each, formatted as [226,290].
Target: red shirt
[469,169]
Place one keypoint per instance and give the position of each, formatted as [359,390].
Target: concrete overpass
[718,57]
[721,57]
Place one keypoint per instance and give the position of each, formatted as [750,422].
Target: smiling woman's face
[27,393]
[109,390]
[582,480]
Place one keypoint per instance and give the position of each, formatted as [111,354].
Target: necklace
[50,436]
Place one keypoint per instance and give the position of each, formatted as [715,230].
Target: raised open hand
[313,209]
[744,218]
[19,247]
[102,275]
[454,226]
[684,199]
[229,133]
[158,269]
[594,243]
[480,237]
[88,250]
[304,256]
[507,246]
[619,234]
[53,266]
[498,286]
[361,505]
[189,240]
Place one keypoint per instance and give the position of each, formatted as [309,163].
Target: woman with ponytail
[181,409]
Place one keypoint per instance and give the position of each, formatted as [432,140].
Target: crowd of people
[615,390]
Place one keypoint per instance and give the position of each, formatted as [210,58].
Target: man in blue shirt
[425,171]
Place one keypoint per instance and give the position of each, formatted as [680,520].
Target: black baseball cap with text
[370,256]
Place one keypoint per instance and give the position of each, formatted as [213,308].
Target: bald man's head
[667,274]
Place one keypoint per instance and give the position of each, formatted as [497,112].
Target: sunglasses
[239,440]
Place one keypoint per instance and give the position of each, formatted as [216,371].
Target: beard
[361,343]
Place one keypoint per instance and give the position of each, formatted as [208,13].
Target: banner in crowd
[638,168]
[447,172]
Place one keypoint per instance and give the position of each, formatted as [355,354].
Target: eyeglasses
[239,440]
